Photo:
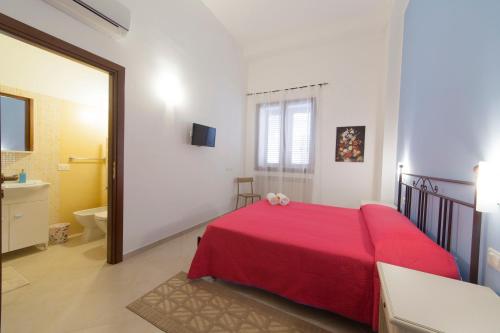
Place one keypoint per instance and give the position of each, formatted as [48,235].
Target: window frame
[266,166]
[285,165]
[29,121]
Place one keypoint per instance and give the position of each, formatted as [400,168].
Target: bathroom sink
[32,190]
[28,184]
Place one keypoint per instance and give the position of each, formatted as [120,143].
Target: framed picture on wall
[350,145]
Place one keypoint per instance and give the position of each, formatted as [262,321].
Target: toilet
[87,220]
[101,220]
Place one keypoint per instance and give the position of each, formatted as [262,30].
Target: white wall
[354,64]
[389,112]
[179,47]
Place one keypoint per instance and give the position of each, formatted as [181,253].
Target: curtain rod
[293,88]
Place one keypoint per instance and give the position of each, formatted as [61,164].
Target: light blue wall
[450,96]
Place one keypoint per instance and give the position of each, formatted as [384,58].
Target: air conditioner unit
[107,16]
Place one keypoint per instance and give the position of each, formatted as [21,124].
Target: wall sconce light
[169,89]
[488,187]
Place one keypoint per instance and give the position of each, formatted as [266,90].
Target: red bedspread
[397,241]
[317,255]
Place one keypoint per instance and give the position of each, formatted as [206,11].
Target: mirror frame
[29,121]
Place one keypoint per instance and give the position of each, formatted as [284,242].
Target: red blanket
[397,241]
[317,255]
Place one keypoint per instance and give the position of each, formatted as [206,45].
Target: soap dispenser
[22,176]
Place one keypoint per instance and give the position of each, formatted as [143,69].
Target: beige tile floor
[72,289]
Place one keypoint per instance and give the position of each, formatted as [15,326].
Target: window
[16,123]
[285,136]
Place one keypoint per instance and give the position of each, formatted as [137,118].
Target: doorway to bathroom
[106,161]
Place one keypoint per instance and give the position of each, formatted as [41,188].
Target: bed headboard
[427,190]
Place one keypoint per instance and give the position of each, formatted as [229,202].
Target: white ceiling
[27,67]
[253,22]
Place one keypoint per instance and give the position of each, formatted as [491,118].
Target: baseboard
[168,238]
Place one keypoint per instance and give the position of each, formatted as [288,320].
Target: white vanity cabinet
[5,229]
[25,215]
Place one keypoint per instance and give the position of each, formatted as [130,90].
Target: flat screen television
[203,135]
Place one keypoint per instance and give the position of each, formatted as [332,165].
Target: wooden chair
[246,196]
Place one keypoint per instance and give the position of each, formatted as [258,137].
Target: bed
[306,253]
[321,256]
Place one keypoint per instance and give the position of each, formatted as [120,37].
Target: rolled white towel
[272,199]
[283,199]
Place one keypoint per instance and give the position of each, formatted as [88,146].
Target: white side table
[413,301]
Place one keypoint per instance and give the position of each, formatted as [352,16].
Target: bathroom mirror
[16,123]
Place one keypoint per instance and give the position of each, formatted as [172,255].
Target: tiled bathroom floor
[72,289]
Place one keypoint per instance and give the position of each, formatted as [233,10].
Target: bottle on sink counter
[22,176]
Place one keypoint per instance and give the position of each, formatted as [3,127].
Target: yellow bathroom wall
[104,173]
[61,129]
[83,132]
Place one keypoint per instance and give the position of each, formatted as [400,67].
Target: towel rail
[86,159]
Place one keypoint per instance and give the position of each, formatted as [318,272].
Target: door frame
[116,128]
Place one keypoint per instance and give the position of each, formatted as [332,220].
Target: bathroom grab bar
[86,159]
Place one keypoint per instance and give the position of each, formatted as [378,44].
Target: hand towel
[272,199]
[283,199]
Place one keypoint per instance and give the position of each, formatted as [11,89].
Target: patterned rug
[183,306]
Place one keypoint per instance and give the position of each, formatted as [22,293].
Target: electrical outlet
[494,259]
[63,167]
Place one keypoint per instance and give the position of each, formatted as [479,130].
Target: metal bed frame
[425,187]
